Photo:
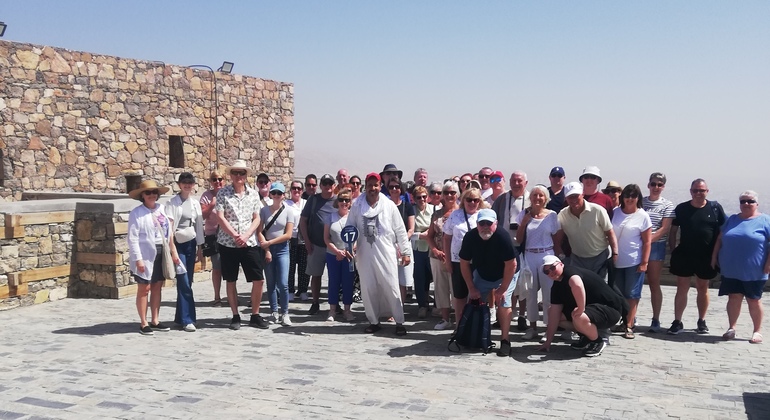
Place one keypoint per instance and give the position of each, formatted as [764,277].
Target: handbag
[169,271]
[210,246]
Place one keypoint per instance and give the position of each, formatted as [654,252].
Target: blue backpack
[474,330]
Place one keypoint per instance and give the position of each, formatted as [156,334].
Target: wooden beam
[11,291]
[98,259]
[10,232]
[23,219]
[21,277]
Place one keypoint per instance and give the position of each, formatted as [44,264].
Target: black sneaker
[258,322]
[581,344]
[594,348]
[496,325]
[313,309]
[522,324]
[235,323]
[702,328]
[676,327]
[159,327]
[505,348]
[146,330]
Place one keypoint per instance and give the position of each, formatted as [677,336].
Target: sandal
[756,338]
[373,328]
[729,334]
[629,334]
[620,328]
[217,303]
[400,330]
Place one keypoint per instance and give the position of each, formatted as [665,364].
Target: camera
[514,226]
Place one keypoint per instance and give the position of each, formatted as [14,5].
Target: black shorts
[233,258]
[602,316]
[157,268]
[749,289]
[459,288]
[686,263]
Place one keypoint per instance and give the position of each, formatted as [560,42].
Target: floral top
[438,220]
[239,211]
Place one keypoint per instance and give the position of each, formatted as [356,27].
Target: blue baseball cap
[487,214]
[277,186]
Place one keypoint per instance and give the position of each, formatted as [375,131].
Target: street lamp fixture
[227,67]
[3,26]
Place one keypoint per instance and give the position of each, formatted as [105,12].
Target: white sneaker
[492,315]
[189,328]
[275,318]
[330,318]
[542,339]
[530,334]
[442,325]
[303,297]
[286,320]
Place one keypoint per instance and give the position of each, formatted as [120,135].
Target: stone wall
[81,122]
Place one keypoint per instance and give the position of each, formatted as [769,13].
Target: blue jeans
[185,302]
[629,281]
[422,277]
[339,275]
[277,274]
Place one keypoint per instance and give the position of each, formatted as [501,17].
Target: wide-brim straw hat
[239,165]
[147,184]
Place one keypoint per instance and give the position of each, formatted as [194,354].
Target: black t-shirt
[488,257]
[405,209]
[597,291]
[557,200]
[699,226]
[317,210]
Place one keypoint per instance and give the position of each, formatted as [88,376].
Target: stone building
[83,122]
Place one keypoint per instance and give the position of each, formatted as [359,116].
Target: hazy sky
[633,87]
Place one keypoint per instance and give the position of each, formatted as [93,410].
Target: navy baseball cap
[557,170]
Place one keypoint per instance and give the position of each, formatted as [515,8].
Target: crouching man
[582,301]
[488,263]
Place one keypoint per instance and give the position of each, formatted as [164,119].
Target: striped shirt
[658,210]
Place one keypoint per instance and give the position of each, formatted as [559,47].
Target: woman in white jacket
[148,227]
[187,221]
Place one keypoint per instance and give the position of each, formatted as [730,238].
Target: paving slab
[84,358]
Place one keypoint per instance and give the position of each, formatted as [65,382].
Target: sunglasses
[276,192]
[217,179]
[238,173]
[296,188]
[449,193]
[395,187]
[355,183]
[590,177]
[465,181]
[420,197]
[748,201]
[327,184]
[482,176]
[311,185]
[657,185]
[485,223]
[548,268]
[151,192]
[263,182]
[632,196]
[472,200]
[698,191]
[435,192]
[343,200]
[495,180]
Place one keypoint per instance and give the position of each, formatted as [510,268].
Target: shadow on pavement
[529,354]
[757,405]
[108,328]
[683,337]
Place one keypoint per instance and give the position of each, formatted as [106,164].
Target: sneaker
[275,318]
[349,316]
[235,323]
[493,316]
[505,348]
[257,321]
[286,320]
[522,324]
[330,318]
[442,325]
[435,312]
[594,348]
[702,328]
[303,297]
[654,326]
[530,334]
[313,309]
[729,334]
[422,313]
[146,330]
[676,327]
[581,344]
[189,327]
[159,327]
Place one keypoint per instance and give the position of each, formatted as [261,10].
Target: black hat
[392,168]
[263,175]
[186,178]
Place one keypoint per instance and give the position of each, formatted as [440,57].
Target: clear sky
[633,87]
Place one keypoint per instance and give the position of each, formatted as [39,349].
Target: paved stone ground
[84,359]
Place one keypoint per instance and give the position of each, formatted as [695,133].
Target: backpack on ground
[474,330]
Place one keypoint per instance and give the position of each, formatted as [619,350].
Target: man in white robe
[381,233]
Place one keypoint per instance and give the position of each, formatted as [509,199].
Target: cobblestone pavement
[81,359]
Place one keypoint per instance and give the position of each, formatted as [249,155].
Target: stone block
[41,296]
[57,294]
[83,230]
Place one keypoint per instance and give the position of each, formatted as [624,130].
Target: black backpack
[474,330]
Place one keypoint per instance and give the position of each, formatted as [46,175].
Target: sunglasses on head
[485,223]
[548,268]
[217,179]
[238,173]
[151,192]
[748,201]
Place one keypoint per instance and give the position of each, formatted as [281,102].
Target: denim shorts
[658,251]
[629,281]
[485,286]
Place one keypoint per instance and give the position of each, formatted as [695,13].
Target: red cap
[374,175]
[497,173]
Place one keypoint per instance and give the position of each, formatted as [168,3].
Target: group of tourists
[576,252]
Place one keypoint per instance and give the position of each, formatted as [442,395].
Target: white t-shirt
[628,231]
[457,227]
[540,231]
[297,210]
